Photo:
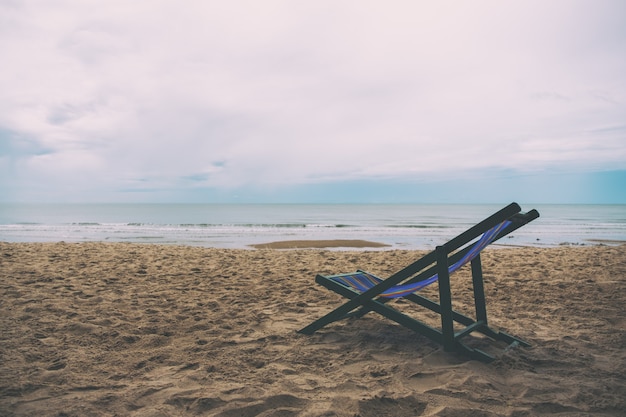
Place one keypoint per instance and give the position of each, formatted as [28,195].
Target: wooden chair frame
[436,262]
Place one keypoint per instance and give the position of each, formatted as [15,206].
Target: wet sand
[319,244]
[152,330]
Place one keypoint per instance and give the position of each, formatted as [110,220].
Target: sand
[96,329]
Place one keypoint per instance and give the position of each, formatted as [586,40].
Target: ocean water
[238,226]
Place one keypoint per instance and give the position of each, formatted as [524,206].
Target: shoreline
[143,329]
[330,244]
[317,242]
[366,244]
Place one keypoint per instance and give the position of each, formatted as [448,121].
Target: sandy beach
[97,329]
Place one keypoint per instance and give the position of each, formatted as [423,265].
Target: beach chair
[367,292]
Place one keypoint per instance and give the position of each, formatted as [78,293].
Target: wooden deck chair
[366,292]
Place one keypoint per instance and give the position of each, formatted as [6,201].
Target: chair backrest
[456,248]
[484,241]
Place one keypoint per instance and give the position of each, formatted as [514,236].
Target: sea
[402,226]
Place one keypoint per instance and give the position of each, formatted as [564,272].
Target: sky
[313,101]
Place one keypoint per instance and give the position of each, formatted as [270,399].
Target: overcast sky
[312,101]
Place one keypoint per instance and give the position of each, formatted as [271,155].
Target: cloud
[151,95]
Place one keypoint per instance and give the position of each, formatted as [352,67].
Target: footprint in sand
[386,406]
[283,405]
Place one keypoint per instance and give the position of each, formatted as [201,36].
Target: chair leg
[333,316]
[479,290]
[445,299]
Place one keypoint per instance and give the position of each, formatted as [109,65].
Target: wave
[231,225]
[237,226]
[419,226]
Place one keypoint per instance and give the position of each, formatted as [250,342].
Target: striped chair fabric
[363,281]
